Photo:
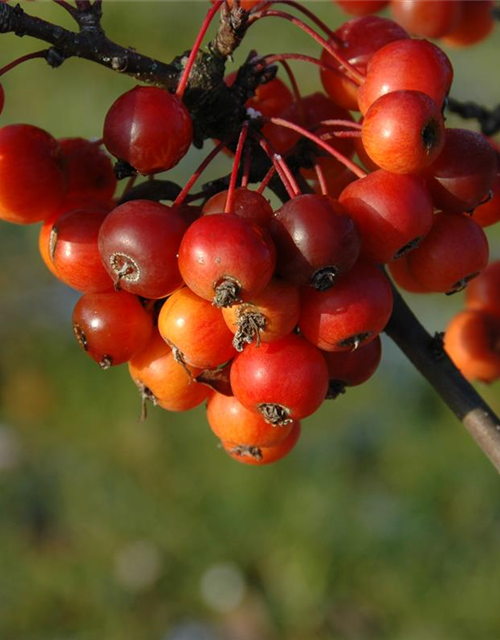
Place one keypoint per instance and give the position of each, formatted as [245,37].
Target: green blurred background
[384,523]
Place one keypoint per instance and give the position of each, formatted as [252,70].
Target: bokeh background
[384,523]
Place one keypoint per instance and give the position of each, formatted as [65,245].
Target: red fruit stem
[247,165]
[312,16]
[65,5]
[341,134]
[215,151]
[181,87]
[266,180]
[283,170]
[341,123]
[229,208]
[348,67]
[435,365]
[295,89]
[320,174]
[17,61]
[307,134]
[279,57]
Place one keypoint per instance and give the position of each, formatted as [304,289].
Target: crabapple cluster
[265,312]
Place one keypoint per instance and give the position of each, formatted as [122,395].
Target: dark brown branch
[488,119]
[420,348]
[90,43]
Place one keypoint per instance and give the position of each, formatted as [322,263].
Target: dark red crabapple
[316,240]
[73,250]
[403,277]
[32,180]
[283,380]
[454,251]
[224,256]
[462,175]
[247,204]
[351,313]
[393,213]
[139,242]
[89,170]
[488,212]
[149,128]
[402,65]
[352,368]
[111,326]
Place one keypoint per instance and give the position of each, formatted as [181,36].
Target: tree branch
[90,43]
[434,364]
[488,119]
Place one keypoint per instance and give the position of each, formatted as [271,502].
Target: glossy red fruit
[139,242]
[472,340]
[361,7]
[475,23]
[427,19]
[111,326]
[392,212]
[360,38]
[149,128]
[247,204]
[483,293]
[284,380]
[352,368]
[349,314]
[316,240]
[403,277]
[89,170]
[461,177]
[73,250]
[402,65]
[234,424]
[488,212]
[164,381]
[263,455]
[224,256]
[196,330]
[70,203]
[403,131]
[32,181]
[454,251]
[268,316]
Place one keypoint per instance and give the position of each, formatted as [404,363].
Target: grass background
[384,523]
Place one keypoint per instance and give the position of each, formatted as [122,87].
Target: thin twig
[460,396]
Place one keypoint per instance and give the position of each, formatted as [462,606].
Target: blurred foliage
[383,523]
